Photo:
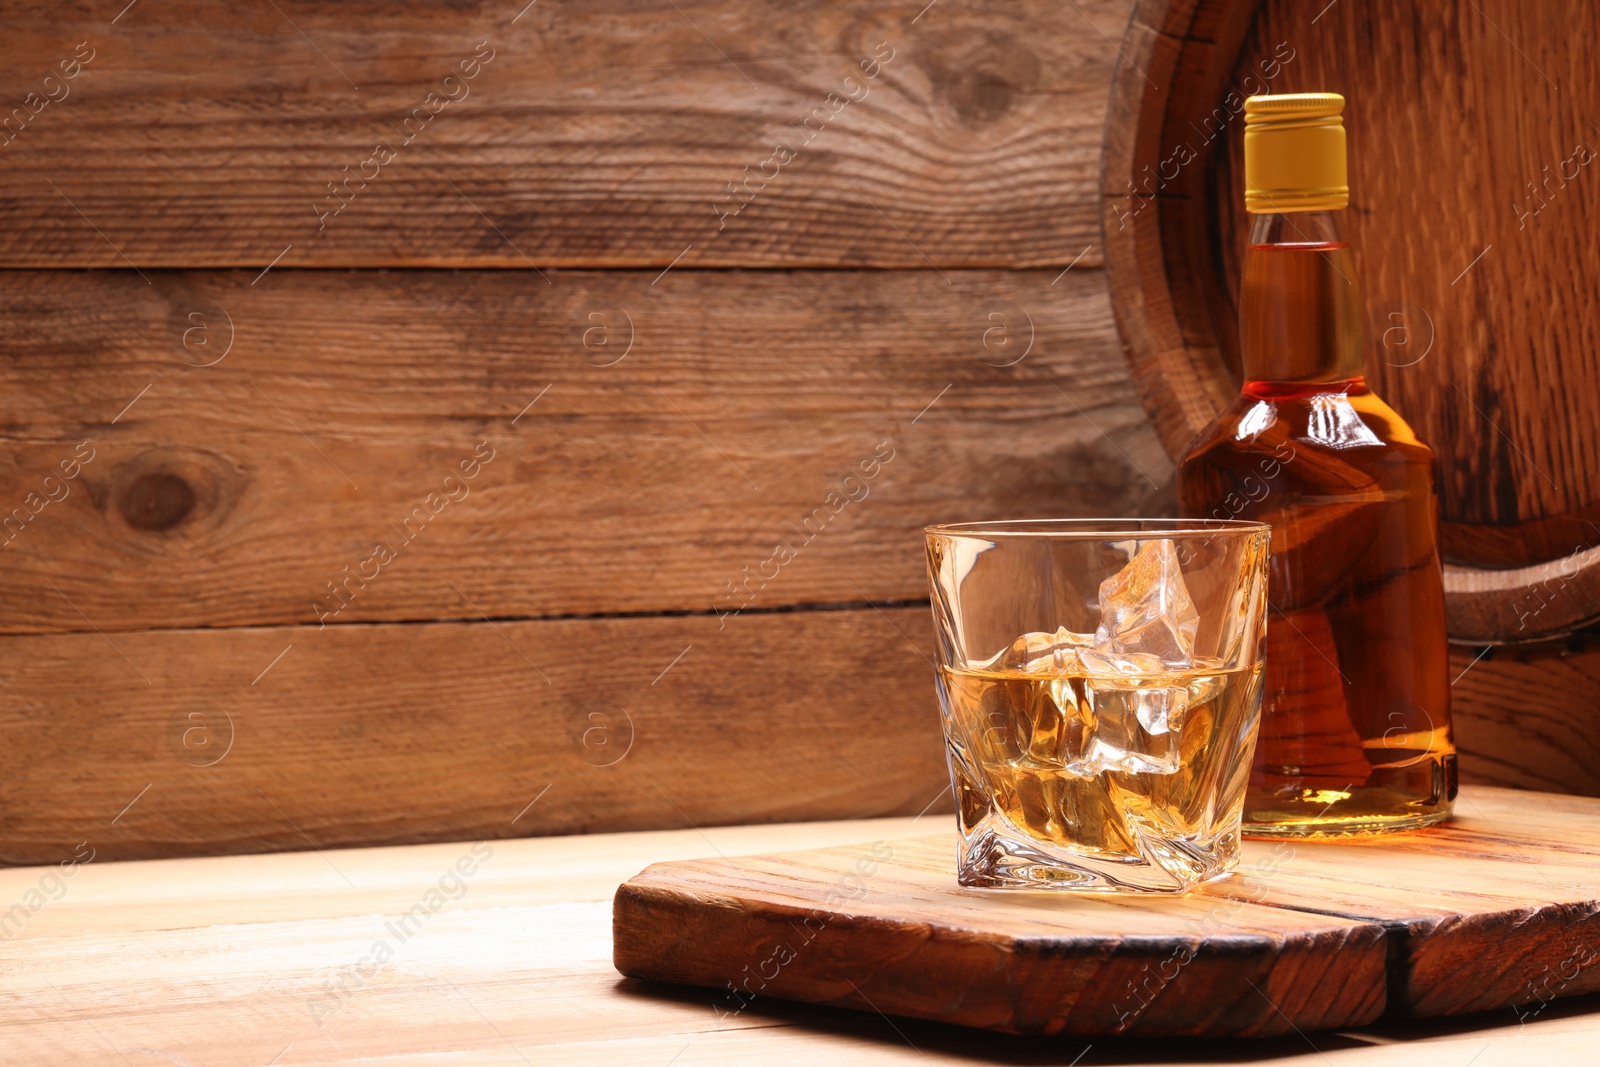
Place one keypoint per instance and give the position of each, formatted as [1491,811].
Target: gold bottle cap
[1294,153]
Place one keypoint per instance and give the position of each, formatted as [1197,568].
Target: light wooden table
[239,961]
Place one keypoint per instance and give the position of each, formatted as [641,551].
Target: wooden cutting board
[1498,909]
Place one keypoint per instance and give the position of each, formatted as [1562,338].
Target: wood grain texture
[1498,908]
[884,926]
[601,133]
[221,960]
[680,431]
[1181,380]
[1539,601]
[1525,716]
[1512,879]
[217,741]
[1172,171]
[272,738]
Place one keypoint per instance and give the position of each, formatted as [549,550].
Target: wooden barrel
[1473,211]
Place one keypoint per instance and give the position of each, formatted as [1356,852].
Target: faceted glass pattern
[1100,683]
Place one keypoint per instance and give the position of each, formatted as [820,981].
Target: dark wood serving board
[1498,909]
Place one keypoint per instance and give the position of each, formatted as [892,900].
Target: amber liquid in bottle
[1355,728]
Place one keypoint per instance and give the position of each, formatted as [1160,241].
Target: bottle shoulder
[1354,421]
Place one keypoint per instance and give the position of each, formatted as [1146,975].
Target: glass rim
[1091,529]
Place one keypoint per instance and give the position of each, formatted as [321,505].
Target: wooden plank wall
[272,594]
[562,469]
[603,133]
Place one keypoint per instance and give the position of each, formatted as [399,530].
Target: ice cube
[1132,731]
[1131,721]
[1161,711]
[1041,653]
[1145,608]
[1138,729]
[1110,663]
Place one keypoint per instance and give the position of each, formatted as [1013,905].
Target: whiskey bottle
[1355,731]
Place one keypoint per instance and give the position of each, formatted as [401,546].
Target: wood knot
[980,80]
[981,96]
[156,501]
[165,498]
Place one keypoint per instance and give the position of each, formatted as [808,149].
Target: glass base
[997,855]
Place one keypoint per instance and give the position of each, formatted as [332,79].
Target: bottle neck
[1299,305]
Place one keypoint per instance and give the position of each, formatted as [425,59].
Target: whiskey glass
[1100,687]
